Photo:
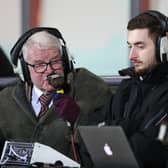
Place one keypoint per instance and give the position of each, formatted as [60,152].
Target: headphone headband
[161,18]
[15,51]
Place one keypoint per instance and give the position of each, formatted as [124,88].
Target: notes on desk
[26,154]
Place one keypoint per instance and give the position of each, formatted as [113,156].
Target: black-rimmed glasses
[42,67]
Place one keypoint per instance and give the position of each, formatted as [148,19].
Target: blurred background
[95,30]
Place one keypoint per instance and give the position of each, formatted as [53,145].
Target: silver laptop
[107,146]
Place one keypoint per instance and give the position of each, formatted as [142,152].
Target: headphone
[17,55]
[162,41]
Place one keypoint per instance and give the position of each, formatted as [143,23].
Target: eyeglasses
[42,67]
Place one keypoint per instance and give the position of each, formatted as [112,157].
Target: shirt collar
[36,93]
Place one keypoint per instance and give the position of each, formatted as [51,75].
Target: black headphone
[17,56]
[162,41]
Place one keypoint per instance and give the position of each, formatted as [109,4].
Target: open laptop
[107,146]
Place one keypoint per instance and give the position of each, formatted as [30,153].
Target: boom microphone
[65,106]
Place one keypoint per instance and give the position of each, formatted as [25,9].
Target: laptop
[107,146]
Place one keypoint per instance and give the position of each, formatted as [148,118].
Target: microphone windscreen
[56,80]
[66,108]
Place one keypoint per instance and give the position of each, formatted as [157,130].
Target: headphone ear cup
[25,71]
[163,49]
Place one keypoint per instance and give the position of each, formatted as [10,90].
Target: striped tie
[44,100]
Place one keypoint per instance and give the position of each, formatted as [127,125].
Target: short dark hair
[146,20]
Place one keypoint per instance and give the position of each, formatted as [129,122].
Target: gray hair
[42,40]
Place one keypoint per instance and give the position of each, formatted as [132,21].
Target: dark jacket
[18,122]
[140,106]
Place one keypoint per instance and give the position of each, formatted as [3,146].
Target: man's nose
[132,53]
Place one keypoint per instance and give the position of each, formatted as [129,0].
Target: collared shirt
[36,93]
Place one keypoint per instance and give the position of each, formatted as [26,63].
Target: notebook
[107,146]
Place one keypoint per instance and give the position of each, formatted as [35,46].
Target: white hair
[42,40]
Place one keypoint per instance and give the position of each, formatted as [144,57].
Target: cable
[73,148]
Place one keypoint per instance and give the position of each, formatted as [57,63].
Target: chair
[7,75]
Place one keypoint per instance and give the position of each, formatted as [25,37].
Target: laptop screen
[107,146]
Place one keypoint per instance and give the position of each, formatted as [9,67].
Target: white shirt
[36,93]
